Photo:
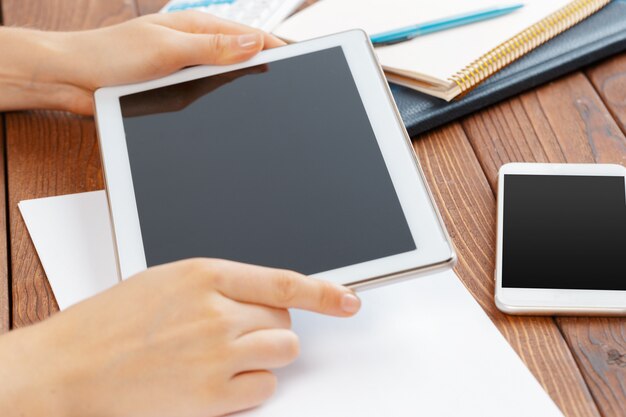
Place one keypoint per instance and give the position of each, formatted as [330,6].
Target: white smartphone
[561,239]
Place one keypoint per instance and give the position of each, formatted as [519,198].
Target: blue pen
[410,32]
[198,3]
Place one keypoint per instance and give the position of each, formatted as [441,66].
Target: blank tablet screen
[564,232]
[274,165]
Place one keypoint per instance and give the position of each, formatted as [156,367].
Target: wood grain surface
[5,293]
[609,80]
[581,362]
[5,279]
[565,121]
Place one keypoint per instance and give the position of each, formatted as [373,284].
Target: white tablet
[295,159]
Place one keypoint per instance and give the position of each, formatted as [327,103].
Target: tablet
[295,159]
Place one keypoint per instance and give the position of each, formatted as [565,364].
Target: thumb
[220,49]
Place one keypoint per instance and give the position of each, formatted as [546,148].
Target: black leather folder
[599,36]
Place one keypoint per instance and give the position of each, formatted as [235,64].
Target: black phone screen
[564,232]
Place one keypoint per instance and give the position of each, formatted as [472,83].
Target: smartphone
[561,244]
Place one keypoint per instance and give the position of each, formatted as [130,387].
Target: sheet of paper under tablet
[72,236]
[419,348]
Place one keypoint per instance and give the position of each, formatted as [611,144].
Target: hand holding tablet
[295,159]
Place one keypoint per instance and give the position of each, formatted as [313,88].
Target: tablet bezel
[434,249]
[553,301]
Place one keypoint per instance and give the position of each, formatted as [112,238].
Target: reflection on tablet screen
[274,165]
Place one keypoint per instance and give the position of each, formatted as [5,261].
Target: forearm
[27,387]
[33,66]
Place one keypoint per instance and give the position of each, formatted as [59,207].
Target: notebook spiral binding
[524,42]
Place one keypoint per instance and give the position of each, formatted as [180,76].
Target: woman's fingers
[265,349]
[250,318]
[219,49]
[280,288]
[192,21]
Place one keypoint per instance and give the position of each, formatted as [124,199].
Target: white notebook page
[435,57]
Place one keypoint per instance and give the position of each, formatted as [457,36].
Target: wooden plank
[600,348]
[565,121]
[468,207]
[5,279]
[5,282]
[609,80]
[49,153]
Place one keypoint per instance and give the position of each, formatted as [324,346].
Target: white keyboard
[261,14]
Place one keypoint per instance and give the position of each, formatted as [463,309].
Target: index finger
[281,288]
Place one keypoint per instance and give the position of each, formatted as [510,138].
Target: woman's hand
[192,338]
[61,70]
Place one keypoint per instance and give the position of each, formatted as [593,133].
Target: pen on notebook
[409,32]
[176,7]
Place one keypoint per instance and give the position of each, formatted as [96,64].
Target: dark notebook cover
[599,36]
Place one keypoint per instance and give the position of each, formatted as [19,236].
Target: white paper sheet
[72,236]
[418,348]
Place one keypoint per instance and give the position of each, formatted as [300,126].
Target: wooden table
[581,362]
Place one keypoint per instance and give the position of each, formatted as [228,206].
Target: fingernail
[350,303]
[249,40]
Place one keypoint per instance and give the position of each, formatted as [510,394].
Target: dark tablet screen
[274,165]
[564,232]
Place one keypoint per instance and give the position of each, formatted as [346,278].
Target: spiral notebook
[446,64]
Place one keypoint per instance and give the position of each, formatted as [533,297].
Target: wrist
[34,71]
